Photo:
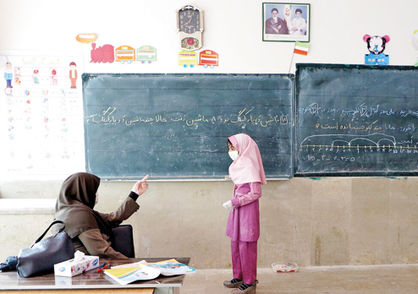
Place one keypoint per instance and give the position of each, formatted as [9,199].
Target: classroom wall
[323,221]
[233,28]
[326,221]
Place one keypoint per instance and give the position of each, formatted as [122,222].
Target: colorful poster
[41,116]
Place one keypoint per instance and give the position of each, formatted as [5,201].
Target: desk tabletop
[89,280]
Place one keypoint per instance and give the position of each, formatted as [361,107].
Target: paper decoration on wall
[208,58]
[8,76]
[18,75]
[188,58]
[376,45]
[146,54]
[73,75]
[415,42]
[102,54]
[124,54]
[54,79]
[35,76]
[301,48]
[47,113]
[86,38]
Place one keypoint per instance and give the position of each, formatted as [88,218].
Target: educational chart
[175,126]
[356,120]
[41,116]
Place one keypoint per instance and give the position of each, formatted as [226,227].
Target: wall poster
[41,126]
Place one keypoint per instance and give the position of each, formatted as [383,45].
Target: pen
[103,266]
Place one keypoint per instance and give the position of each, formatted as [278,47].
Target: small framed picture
[286,22]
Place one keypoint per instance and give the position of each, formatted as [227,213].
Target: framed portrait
[286,22]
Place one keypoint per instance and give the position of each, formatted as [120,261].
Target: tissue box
[72,267]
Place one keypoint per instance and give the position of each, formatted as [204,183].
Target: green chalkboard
[175,126]
[356,120]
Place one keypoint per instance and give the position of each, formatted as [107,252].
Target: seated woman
[89,229]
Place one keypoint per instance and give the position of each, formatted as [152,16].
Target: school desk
[91,282]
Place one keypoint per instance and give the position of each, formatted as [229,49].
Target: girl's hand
[141,186]
[228,204]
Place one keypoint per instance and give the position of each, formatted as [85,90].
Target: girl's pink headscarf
[248,167]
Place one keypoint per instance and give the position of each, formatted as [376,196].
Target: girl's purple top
[244,218]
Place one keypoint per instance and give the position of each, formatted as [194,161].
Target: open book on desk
[171,267]
[139,271]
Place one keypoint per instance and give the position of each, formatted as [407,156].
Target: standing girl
[247,173]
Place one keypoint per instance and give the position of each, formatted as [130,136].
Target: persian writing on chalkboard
[176,126]
[350,125]
[352,138]
[110,116]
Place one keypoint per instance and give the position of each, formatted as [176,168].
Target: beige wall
[328,221]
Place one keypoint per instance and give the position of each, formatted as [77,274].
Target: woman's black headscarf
[75,205]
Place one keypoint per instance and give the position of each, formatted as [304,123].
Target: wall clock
[190,27]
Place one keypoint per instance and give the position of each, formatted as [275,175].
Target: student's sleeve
[125,210]
[96,245]
[251,196]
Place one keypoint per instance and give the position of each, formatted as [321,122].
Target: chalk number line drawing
[349,140]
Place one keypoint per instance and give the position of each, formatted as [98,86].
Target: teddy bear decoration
[376,45]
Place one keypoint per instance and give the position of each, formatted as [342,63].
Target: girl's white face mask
[97,198]
[233,154]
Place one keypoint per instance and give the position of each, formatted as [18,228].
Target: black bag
[43,254]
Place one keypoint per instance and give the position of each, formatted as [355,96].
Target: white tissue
[78,256]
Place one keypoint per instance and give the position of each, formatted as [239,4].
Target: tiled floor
[381,279]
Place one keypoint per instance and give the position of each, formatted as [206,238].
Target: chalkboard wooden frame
[381,107]
[110,105]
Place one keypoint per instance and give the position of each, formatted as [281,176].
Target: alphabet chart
[41,116]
